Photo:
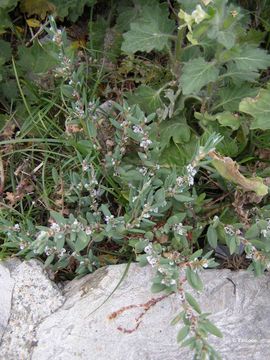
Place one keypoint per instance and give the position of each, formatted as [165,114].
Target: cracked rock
[46,324]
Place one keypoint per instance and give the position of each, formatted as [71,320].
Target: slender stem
[179,42]
[20,89]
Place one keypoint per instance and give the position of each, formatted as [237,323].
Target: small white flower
[180,181]
[191,170]
[162,270]
[55,227]
[179,229]
[145,143]
[62,253]
[148,249]
[108,218]
[151,260]
[264,233]
[134,198]
[85,166]
[188,315]
[57,37]
[165,282]
[146,215]
[229,230]
[137,129]
[48,251]
[182,296]
[143,170]
[16,227]
[88,230]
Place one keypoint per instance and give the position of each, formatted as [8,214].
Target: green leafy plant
[162,156]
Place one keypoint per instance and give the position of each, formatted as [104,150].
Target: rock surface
[34,297]
[6,288]
[46,323]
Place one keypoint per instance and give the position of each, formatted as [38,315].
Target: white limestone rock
[6,289]
[34,298]
[78,330]
[46,324]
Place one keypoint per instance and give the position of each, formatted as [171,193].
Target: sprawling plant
[146,174]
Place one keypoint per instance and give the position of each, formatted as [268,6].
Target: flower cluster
[179,229]
[169,275]
[191,172]
[152,256]
[266,232]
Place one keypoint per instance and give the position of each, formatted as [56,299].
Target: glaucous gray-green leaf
[192,302]
[211,328]
[183,333]
[212,236]
[81,241]
[194,279]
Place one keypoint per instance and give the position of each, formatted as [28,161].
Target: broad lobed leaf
[150,32]
[259,108]
[196,74]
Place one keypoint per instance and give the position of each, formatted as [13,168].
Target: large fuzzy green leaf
[147,98]
[230,97]
[196,74]
[176,129]
[129,13]
[36,59]
[259,108]
[240,75]
[150,32]
[250,58]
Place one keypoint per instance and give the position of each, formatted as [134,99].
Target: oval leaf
[182,334]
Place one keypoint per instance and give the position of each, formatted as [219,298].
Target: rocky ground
[41,321]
